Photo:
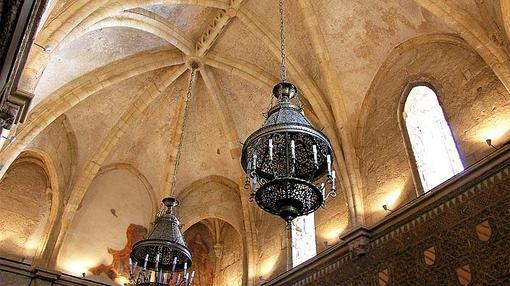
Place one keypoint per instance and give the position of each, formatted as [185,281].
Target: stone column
[289,246]
[218,253]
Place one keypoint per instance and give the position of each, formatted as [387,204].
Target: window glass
[303,239]
[431,139]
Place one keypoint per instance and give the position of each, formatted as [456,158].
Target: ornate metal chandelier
[163,259]
[288,162]
[163,253]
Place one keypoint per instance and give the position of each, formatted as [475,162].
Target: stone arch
[435,85]
[394,56]
[215,197]
[79,16]
[117,206]
[146,21]
[55,197]
[225,244]
[472,32]
[505,13]
[37,219]
[388,175]
[72,93]
[222,202]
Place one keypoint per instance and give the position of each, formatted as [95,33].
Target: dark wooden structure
[18,23]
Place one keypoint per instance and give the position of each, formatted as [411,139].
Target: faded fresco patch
[120,264]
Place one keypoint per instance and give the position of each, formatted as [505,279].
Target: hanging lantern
[156,259]
[288,162]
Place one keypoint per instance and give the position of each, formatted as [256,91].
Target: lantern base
[289,198]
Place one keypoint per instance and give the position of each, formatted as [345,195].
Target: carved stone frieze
[462,238]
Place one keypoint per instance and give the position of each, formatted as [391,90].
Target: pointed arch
[427,136]
[43,160]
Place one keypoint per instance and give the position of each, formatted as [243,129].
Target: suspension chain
[283,67]
[183,126]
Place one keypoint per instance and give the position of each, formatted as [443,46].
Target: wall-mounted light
[495,127]
[46,49]
[385,207]
[489,142]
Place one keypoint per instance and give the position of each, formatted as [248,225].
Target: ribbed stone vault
[110,77]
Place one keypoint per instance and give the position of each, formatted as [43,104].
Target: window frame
[436,88]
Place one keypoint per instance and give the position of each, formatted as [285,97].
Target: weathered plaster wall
[91,128]
[474,102]
[203,135]
[148,151]
[217,253]
[116,199]
[360,34]
[186,18]
[24,209]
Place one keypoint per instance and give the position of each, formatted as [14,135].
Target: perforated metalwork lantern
[155,260]
[286,158]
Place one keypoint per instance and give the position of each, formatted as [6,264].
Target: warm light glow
[389,195]
[267,266]
[78,267]
[232,279]
[333,234]
[122,280]
[32,244]
[3,236]
[391,199]
[494,130]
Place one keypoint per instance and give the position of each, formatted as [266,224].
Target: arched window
[437,157]
[303,239]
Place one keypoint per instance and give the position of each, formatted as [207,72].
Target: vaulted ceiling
[110,80]
[125,65]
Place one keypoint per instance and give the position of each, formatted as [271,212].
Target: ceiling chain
[183,126]
[283,68]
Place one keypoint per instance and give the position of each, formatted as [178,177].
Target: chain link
[183,126]
[283,68]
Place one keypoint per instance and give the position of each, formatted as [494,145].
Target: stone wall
[59,142]
[456,235]
[230,270]
[100,232]
[24,210]
[271,246]
[217,251]
[475,103]
[200,243]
